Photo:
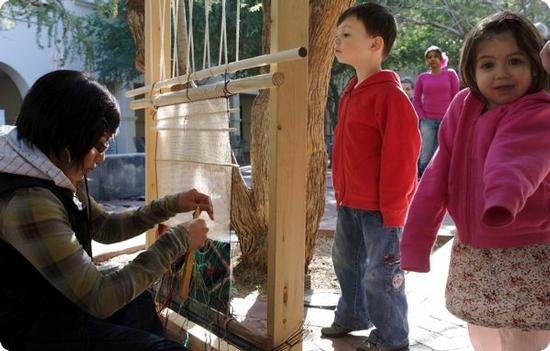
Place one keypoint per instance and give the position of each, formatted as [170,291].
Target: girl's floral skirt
[500,288]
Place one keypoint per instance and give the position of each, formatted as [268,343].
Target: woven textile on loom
[193,151]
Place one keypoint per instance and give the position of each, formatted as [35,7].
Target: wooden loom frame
[287,168]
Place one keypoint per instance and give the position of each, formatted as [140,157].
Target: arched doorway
[12,89]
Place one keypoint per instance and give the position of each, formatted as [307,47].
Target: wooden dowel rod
[211,91]
[253,62]
[183,129]
[235,165]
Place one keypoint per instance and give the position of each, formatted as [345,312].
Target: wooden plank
[179,324]
[179,329]
[157,16]
[111,254]
[287,171]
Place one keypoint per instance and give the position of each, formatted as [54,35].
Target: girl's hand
[190,200]
[197,230]
[545,56]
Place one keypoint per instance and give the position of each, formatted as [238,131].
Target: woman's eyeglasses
[101,147]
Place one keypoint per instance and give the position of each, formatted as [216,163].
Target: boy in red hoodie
[375,154]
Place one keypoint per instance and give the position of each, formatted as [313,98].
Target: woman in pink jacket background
[492,173]
[433,93]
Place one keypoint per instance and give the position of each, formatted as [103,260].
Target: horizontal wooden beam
[253,62]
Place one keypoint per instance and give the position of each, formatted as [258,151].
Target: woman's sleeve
[36,224]
[108,228]
[417,99]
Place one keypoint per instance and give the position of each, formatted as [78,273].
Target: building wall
[21,52]
[10,99]
[105,182]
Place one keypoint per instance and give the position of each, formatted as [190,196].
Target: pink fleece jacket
[491,172]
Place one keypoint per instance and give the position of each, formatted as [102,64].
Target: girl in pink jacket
[492,173]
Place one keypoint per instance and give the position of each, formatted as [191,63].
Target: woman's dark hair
[378,21]
[408,80]
[67,110]
[527,38]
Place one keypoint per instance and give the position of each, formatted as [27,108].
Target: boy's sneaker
[369,346]
[335,331]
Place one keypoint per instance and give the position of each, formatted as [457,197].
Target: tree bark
[182,38]
[136,21]
[250,206]
[322,26]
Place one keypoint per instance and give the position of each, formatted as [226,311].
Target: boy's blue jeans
[366,259]
[429,129]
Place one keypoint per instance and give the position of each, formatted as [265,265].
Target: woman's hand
[545,56]
[197,230]
[190,200]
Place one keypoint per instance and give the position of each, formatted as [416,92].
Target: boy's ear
[377,43]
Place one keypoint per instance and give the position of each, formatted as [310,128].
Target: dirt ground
[321,272]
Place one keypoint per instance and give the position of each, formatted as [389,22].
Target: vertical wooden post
[287,174]
[157,17]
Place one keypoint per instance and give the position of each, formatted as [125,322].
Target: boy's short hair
[378,21]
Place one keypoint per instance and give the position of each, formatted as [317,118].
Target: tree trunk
[182,38]
[136,20]
[250,206]
[322,26]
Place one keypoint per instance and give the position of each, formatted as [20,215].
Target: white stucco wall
[124,140]
[23,60]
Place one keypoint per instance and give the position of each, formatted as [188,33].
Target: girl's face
[502,70]
[433,59]
[93,157]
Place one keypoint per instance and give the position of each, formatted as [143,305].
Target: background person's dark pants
[135,327]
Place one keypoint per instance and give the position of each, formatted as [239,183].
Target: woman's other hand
[190,200]
[197,230]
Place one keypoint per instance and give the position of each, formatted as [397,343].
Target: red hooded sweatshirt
[376,147]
